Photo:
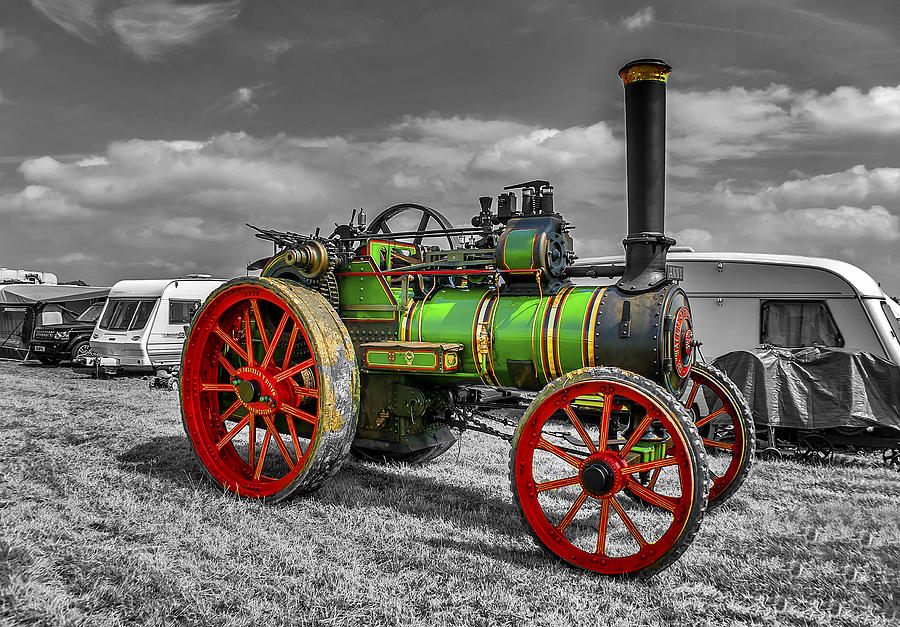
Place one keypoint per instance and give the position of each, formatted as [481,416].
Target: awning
[27,293]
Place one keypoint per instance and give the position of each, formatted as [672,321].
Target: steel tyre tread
[696,451]
[338,381]
[747,426]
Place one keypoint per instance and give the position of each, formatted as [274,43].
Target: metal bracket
[625,324]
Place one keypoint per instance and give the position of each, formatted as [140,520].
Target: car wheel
[80,350]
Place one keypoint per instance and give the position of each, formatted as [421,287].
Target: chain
[472,418]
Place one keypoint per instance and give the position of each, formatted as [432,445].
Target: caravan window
[126,315]
[892,319]
[182,311]
[793,324]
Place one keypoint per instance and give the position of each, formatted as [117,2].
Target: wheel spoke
[638,432]
[298,413]
[628,522]
[601,530]
[292,339]
[721,445]
[695,387]
[604,422]
[254,305]
[232,344]
[707,419]
[660,500]
[251,447]
[580,429]
[270,351]
[290,372]
[552,448]
[298,452]
[556,484]
[233,408]
[654,465]
[226,364]
[654,476]
[248,337]
[262,455]
[233,431]
[561,527]
[302,391]
[270,428]
[423,222]
[216,387]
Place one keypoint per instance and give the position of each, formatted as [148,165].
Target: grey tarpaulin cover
[816,387]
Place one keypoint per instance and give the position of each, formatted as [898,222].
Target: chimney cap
[645,70]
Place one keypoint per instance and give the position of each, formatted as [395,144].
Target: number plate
[38,348]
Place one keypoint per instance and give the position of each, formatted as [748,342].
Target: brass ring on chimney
[645,72]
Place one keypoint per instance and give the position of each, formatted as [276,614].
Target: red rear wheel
[583,441]
[270,388]
[723,418]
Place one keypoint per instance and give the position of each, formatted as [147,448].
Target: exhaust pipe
[646,245]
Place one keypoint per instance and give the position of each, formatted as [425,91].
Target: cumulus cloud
[738,123]
[850,109]
[640,20]
[699,239]
[149,29]
[842,223]
[705,126]
[854,185]
[185,201]
[38,202]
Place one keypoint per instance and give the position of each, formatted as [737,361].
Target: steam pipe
[645,131]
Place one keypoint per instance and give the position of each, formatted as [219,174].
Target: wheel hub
[256,391]
[601,474]
[249,391]
[597,477]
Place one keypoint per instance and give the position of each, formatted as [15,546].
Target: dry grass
[106,519]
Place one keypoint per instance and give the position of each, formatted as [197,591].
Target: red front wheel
[585,440]
[269,388]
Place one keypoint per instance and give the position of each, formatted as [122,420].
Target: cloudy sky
[137,136]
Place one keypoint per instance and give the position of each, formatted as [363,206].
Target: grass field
[106,519]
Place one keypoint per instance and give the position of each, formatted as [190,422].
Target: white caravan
[144,322]
[741,300]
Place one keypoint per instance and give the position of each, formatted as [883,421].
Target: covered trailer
[811,342]
[26,306]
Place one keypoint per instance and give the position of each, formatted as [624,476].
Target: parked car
[144,322]
[65,341]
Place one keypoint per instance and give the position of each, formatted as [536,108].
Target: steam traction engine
[372,341]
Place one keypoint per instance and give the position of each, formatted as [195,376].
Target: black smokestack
[645,131]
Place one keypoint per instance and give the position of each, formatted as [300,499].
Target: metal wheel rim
[379,222]
[554,536]
[736,448]
[214,350]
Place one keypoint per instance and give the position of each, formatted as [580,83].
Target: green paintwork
[515,326]
[371,292]
[518,249]
[402,360]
